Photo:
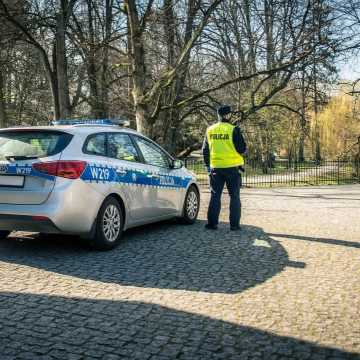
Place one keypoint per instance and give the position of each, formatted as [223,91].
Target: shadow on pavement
[65,328]
[165,255]
[320,240]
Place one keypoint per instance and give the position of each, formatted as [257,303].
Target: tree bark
[91,65]
[301,154]
[105,57]
[176,91]
[269,20]
[250,35]
[51,75]
[3,117]
[138,68]
[61,62]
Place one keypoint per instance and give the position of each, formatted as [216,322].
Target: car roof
[77,129]
[84,129]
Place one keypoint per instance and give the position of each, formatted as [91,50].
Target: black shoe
[235,228]
[211,227]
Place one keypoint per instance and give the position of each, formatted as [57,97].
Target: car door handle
[121,172]
[155,176]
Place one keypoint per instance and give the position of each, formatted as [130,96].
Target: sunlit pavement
[286,287]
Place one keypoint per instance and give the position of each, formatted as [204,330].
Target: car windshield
[32,144]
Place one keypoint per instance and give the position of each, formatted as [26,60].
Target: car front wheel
[109,225]
[191,206]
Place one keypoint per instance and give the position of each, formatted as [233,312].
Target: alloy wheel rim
[111,223]
[192,205]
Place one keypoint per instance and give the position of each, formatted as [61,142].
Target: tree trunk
[3,117]
[318,157]
[61,63]
[97,109]
[52,78]
[143,125]
[316,110]
[105,58]
[54,91]
[137,57]
[166,118]
[141,115]
[301,154]
[269,19]
[129,73]
[175,92]
[250,34]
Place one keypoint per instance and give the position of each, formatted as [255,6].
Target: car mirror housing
[177,164]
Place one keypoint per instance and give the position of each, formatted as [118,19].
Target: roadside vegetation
[167,65]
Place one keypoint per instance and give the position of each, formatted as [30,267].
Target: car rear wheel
[4,234]
[191,206]
[109,225]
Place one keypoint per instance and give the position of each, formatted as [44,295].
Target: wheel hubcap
[192,205]
[111,223]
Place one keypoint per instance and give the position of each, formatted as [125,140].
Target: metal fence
[289,173]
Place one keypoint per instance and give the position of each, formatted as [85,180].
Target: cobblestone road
[286,287]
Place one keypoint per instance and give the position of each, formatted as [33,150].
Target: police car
[90,178]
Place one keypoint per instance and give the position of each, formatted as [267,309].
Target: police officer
[223,148]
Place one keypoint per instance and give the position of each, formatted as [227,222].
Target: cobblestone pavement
[286,287]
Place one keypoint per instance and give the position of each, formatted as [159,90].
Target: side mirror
[177,164]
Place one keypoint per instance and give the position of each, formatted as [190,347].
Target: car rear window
[32,144]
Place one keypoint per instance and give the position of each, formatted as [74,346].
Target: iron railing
[288,173]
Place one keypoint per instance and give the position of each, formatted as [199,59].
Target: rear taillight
[40,218]
[63,168]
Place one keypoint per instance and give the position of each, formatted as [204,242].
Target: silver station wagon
[93,179]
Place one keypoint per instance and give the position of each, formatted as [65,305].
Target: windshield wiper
[19,157]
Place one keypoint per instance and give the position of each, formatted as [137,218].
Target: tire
[109,225]
[191,206]
[4,234]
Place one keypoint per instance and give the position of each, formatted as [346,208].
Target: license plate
[14,181]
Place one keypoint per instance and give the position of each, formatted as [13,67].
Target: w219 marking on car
[92,179]
[23,170]
[100,173]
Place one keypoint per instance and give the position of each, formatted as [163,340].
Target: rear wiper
[15,157]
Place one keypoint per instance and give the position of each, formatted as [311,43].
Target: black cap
[224,110]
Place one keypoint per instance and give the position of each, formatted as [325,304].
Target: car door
[98,173]
[133,178]
[165,194]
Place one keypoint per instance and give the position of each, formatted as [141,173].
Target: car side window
[151,153]
[96,144]
[121,147]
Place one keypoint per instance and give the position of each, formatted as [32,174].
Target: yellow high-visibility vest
[223,153]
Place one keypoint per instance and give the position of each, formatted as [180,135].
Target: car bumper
[27,223]
[71,208]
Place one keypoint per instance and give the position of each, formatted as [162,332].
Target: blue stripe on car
[28,170]
[102,174]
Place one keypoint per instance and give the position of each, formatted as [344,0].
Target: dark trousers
[218,178]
